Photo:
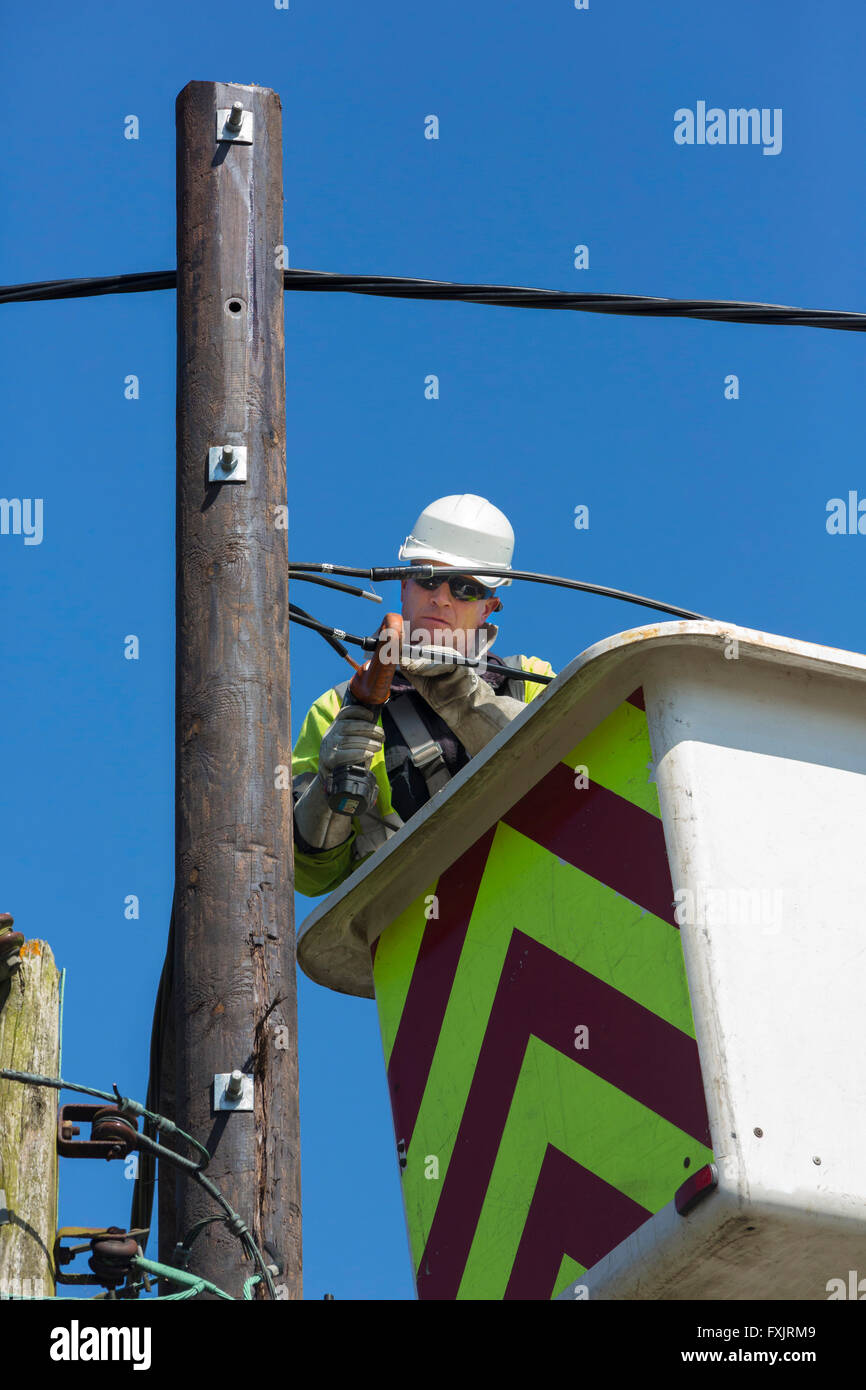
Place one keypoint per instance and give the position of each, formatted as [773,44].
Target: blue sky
[556,129]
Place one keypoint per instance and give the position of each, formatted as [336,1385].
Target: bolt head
[235,1085]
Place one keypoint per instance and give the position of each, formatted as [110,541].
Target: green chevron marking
[569,1271]
[618,756]
[557,1101]
[525,886]
[394,966]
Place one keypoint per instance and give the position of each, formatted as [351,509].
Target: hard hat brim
[410,550]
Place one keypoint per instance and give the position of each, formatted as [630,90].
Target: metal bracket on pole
[10,947]
[235,124]
[232,1090]
[227,463]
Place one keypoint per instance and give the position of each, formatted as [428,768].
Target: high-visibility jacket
[320,871]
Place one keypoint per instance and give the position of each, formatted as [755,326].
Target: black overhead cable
[78,289]
[302,569]
[518,297]
[504,296]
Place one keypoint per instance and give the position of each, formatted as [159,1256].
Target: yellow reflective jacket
[316,874]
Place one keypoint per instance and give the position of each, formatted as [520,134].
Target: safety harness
[424,750]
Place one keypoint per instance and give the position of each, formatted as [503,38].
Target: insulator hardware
[112,1251]
[112,1134]
[10,946]
[112,1256]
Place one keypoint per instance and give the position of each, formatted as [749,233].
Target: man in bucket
[438,715]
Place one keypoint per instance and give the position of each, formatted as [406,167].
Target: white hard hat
[463,530]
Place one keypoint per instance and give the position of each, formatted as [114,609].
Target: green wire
[60,1022]
[193,1283]
[236,1226]
[126,1102]
[56,1081]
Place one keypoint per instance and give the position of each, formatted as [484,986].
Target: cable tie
[180,1258]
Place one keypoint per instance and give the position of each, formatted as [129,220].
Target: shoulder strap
[424,751]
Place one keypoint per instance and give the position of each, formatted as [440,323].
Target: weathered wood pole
[235,950]
[29,1041]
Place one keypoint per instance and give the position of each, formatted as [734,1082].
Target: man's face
[439,616]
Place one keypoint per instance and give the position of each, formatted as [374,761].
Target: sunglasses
[463,587]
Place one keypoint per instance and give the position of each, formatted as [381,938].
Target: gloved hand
[352,739]
[441,665]
[468,704]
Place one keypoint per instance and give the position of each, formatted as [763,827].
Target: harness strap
[424,751]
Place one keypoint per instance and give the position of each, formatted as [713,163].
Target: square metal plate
[221,1100]
[244,136]
[215,471]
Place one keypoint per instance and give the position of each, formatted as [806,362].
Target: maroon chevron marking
[601,833]
[542,994]
[430,989]
[635,698]
[573,1212]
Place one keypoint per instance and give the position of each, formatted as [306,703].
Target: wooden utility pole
[235,1006]
[29,1041]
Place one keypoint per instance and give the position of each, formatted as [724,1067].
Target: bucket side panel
[544,1077]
